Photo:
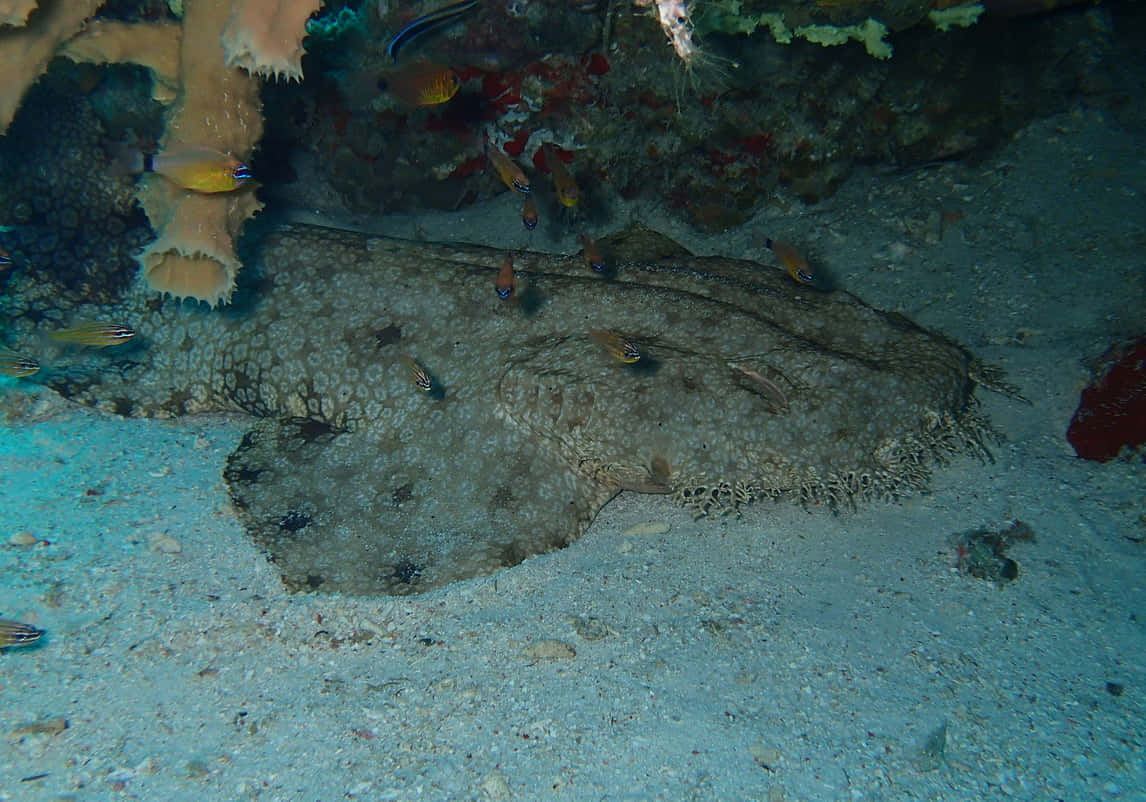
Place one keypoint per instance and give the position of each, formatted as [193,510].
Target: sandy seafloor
[787,654]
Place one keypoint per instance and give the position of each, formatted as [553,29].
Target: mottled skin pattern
[354,480]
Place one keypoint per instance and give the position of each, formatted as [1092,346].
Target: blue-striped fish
[428,22]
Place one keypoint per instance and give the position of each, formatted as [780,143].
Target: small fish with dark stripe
[17,365]
[616,344]
[419,375]
[14,633]
[428,22]
[96,335]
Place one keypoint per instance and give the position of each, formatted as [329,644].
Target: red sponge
[1112,411]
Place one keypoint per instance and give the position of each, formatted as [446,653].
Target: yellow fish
[13,633]
[199,168]
[422,83]
[616,344]
[98,335]
[17,365]
[793,261]
[567,192]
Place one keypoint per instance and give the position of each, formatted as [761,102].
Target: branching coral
[153,45]
[265,36]
[15,12]
[218,107]
[206,67]
[26,51]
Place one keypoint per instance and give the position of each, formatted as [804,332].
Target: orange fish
[793,262]
[616,344]
[199,168]
[17,365]
[592,254]
[529,213]
[505,284]
[507,170]
[98,335]
[5,260]
[422,83]
[567,192]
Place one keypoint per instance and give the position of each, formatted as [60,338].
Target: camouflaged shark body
[355,480]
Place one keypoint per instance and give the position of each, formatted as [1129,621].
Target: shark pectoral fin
[382,512]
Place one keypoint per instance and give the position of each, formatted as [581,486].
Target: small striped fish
[13,633]
[97,335]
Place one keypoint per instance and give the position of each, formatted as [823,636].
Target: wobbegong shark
[410,429]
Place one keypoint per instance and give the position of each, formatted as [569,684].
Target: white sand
[785,655]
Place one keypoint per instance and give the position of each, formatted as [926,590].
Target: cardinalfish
[97,335]
[505,283]
[419,375]
[5,260]
[793,261]
[563,182]
[421,83]
[428,22]
[616,344]
[592,254]
[507,170]
[17,365]
[13,633]
[197,168]
[529,213]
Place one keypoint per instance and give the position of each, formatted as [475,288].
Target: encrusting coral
[207,67]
